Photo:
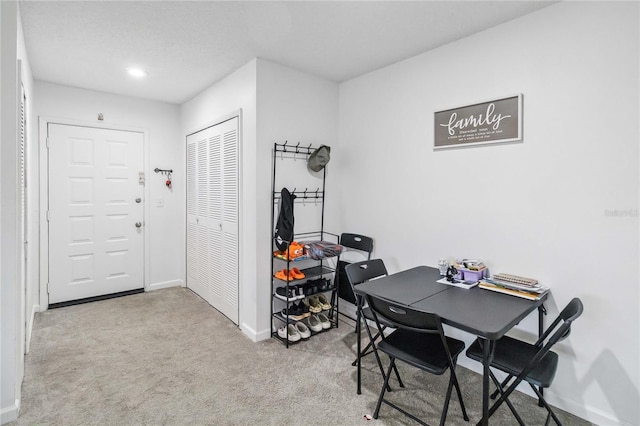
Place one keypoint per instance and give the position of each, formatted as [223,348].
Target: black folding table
[486,314]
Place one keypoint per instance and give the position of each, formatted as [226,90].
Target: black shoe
[299,291]
[314,286]
[287,296]
[295,312]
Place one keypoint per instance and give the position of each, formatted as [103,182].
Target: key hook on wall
[167,173]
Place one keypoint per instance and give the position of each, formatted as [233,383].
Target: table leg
[359,330]
[487,353]
[542,311]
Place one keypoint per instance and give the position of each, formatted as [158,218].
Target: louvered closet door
[212,216]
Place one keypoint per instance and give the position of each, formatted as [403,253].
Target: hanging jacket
[284,225]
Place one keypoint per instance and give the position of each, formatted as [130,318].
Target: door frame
[43,124]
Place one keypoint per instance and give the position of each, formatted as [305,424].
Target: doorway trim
[43,124]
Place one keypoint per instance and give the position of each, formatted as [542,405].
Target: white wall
[295,107]
[17,297]
[544,208]
[277,104]
[235,92]
[32,191]
[12,361]
[161,120]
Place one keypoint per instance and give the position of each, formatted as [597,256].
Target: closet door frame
[218,120]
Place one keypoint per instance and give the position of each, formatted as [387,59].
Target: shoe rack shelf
[285,308]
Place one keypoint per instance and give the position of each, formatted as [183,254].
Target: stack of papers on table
[526,291]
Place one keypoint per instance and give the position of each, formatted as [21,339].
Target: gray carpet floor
[167,358]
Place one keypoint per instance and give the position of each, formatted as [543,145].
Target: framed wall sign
[490,122]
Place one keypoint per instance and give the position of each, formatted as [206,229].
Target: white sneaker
[294,336]
[314,323]
[304,331]
[324,321]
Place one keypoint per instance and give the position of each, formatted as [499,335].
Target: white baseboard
[10,413]
[166,284]
[34,309]
[254,335]
[591,414]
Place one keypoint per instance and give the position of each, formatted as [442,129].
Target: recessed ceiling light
[136,72]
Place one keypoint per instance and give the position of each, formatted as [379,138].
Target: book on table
[531,292]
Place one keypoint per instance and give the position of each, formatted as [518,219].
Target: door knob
[138,224]
[138,200]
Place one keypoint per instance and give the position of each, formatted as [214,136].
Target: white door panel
[212,212]
[95,247]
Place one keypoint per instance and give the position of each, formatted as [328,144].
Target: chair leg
[504,394]
[457,385]
[504,383]
[375,352]
[395,368]
[447,398]
[363,352]
[544,403]
[500,390]
[384,388]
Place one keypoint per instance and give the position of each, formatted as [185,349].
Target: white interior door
[96,212]
[212,216]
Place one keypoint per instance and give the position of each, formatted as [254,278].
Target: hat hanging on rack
[319,158]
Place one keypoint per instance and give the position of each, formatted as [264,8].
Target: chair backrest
[357,242]
[557,331]
[362,245]
[365,270]
[403,316]
[561,326]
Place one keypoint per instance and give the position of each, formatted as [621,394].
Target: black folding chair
[419,341]
[534,363]
[357,273]
[362,246]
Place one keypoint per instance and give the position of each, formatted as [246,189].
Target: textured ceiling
[186,46]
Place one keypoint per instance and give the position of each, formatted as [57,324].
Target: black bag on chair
[284,225]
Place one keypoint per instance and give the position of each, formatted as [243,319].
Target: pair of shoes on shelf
[324,302]
[294,332]
[318,322]
[317,303]
[317,285]
[297,311]
[289,332]
[303,330]
[289,275]
[313,304]
[295,292]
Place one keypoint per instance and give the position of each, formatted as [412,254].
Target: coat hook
[298,148]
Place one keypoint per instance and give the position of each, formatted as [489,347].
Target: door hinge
[47,142]
[48,216]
